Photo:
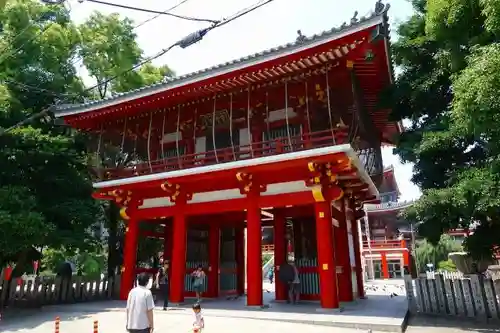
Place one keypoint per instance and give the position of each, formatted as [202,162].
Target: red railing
[243,152]
[268,248]
[384,244]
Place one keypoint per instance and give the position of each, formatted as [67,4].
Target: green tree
[45,186]
[109,49]
[447,265]
[448,89]
[428,253]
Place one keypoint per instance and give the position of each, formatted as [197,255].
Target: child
[199,322]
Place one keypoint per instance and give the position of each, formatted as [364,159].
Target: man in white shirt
[140,307]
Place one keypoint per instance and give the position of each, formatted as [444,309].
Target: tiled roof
[303,41]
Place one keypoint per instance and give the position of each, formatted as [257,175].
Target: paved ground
[228,316]
[174,321]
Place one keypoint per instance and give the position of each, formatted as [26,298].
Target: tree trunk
[20,264]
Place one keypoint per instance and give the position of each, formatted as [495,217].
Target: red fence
[384,244]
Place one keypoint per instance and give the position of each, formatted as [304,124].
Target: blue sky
[273,24]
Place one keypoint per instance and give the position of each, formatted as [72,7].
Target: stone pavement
[378,312]
[114,321]
[229,315]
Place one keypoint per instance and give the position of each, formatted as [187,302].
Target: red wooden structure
[288,137]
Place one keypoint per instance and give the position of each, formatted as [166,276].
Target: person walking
[162,283]
[294,286]
[199,322]
[198,277]
[270,275]
[140,305]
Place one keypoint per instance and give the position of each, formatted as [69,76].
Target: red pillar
[357,256]
[240,259]
[342,256]
[406,256]
[167,245]
[385,267]
[254,252]
[279,252]
[129,258]
[178,265]
[326,256]
[167,241]
[257,140]
[214,258]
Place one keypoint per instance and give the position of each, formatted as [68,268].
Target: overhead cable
[183,43]
[159,14]
[188,18]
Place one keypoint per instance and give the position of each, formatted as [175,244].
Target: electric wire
[159,14]
[187,18]
[74,62]
[168,10]
[242,12]
[216,25]
[195,37]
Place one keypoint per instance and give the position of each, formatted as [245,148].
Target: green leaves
[109,48]
[428,253]
[448,87]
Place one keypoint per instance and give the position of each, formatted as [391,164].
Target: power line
[151,11]
[37,88]
[159,14]
[242,12]
[73,63]
[183,43]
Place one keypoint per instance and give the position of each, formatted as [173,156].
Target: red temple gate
[288,136]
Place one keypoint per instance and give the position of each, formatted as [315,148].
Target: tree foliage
[448,88]
[109,49]
[45,185]
[44,181]
[429,253]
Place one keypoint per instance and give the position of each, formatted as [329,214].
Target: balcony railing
[389,205]
[384,244]
[257,149]
[268,248]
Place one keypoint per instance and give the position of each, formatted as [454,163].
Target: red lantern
[8,273]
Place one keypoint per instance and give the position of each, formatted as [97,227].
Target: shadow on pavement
[25,319]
